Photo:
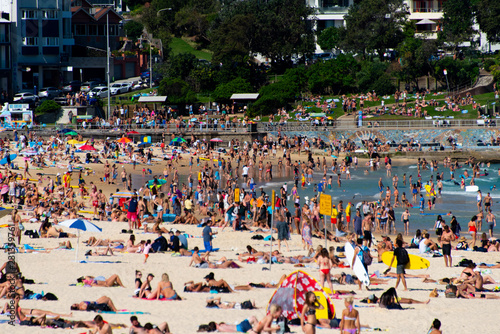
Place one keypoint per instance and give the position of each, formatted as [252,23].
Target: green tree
[335,76]
[276,29]
[223,92]
[328,39]
[458,19]
[488,17]
[47,106]
[180,65]
[460,72]
[133,29]
[177,91]
[415,56]
[374,26]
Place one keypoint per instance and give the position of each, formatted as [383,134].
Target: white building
[427,14]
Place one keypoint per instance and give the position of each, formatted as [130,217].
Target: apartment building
[5,56]
[40,42]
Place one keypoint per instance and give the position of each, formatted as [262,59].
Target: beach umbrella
[216,140]
[71,133]
[133,132]
[64,130]
[178,140]
[87,147]
[124,140]
[80,225]
[194,119]
[144,144]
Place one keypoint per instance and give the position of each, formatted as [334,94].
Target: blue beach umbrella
[80,225]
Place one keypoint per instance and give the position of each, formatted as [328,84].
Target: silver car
[100,92]
[25,97]
[49,92]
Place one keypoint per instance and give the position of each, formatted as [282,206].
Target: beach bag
[404,257]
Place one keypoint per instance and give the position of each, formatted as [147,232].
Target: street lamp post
[150,52]
[107,56]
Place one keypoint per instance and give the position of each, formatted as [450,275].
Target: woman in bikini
[164,290]
[107,282]
[473,229]
[145,291]
[325,264]
[350,318]
[308,319]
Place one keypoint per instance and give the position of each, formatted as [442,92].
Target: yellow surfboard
[416,262]
[322,314]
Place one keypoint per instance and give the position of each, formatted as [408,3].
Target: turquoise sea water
[364,187]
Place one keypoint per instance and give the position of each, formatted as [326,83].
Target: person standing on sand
[401,255]
[367,230]
[405,218]
[446,238]
[325,265]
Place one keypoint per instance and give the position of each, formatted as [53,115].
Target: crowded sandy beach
[86,251]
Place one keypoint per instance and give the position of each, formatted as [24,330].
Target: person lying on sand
[25,320]
[94,242]
[217,303]
[466,291]
[113,280]
[102,304]
[103,252]
[37,312]
[137,328]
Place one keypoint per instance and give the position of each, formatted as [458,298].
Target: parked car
[101,92]
[25,97]
[145,74]
[49,92]
[88,86]
[61,100]
[119,88]
[72,86]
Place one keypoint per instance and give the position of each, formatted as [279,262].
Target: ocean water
[364,187]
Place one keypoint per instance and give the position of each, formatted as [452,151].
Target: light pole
[150,52]
[447,83]
[107,56]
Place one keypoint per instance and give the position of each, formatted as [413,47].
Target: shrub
[47,106]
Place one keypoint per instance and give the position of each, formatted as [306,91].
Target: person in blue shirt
[422,203]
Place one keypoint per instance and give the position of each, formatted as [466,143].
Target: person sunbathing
[103,252]
[102,304]
[18,286]
[113,280]
[164,290]
[196,287]
[37,312]
[25,320]
[217,303]
[94,242]
[223,263]
[54,232]
[156,227]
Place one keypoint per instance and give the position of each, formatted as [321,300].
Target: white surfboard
[471,189]
[359,269]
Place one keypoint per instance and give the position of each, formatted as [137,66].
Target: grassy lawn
[179,45]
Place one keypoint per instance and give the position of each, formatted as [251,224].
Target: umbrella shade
[216,140]
[124,140]
[80,225]
[179,140]
[71,133]
[87,147]
[132,133]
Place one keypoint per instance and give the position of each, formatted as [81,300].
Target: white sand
[57,271]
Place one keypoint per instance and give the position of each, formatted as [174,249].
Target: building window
[80,30]
[49,14]
[29,14]
[101,30]
[30,41]
[113,30]
[92,30]
[51,41]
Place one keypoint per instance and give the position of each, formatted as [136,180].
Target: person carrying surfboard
[402,258]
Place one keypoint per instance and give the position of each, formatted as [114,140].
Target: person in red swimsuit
[473,229]
[325,264]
